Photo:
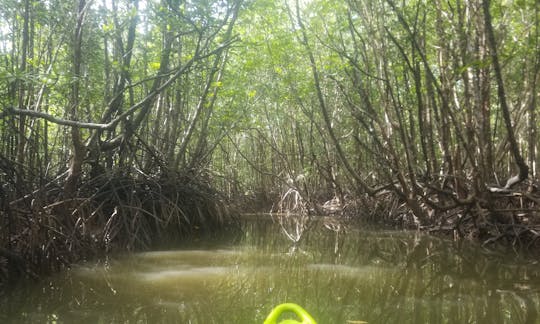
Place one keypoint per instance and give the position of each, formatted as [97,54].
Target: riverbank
[491,216]
[126,210]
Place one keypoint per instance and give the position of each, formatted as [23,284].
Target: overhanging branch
[60,121]
[10,110]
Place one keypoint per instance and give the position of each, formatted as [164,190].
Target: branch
[514,147]
[10,110]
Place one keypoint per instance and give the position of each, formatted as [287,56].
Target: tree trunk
[534,94]
[324,109]
[514,148]
[21,95]
[79,150]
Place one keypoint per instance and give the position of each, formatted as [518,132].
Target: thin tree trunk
[324,109]
[483,102]
[75,168]
[514,148]
[21,95]
[534,94]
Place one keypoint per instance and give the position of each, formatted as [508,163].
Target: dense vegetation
[124,120]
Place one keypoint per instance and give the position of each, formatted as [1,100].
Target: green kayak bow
[304,316]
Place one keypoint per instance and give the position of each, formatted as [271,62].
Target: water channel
[338,276]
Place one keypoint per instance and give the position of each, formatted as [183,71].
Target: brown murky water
[374,276]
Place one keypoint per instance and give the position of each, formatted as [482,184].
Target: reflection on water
[375,276]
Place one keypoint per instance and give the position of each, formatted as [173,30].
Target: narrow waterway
[339,277]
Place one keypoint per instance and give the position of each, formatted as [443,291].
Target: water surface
[339,277]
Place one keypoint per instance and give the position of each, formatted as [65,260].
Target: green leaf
[155,65]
